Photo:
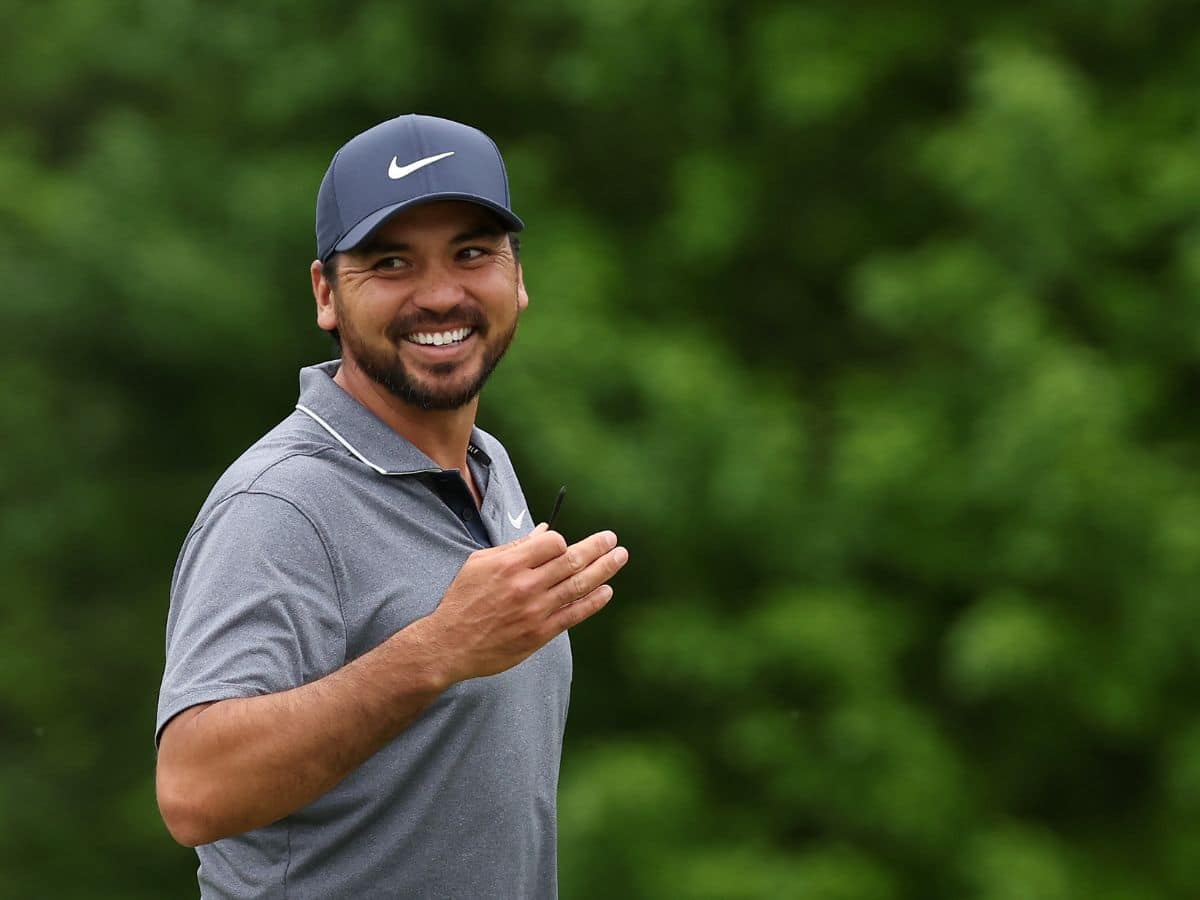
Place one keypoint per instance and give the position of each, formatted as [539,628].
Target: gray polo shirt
[322,540]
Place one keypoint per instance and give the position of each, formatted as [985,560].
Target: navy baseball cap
[403,162]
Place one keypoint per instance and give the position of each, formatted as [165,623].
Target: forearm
[239,764]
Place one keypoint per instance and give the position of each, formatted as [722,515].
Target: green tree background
[873,329]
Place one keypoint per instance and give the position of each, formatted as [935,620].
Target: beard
[387,369]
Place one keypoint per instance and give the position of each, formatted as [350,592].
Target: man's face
[430,304]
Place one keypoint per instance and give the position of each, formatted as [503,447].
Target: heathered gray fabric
[304,557]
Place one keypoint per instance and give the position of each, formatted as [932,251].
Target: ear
[522,295]
[323,294]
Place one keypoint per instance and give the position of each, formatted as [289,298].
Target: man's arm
[234,765]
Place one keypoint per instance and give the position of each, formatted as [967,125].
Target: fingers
[575,559]
[539,547]
[565,574]
[538,529]
[585,607]
[583,582]
[512,599]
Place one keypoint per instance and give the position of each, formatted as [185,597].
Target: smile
[439,338]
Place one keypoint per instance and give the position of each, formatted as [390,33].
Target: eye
[391,264]
[472,253]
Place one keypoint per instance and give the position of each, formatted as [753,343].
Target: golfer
[367,663]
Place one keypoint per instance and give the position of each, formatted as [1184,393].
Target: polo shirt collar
[359,430]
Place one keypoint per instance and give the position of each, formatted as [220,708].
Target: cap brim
[368,226]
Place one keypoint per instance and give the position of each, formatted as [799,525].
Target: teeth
[438,338]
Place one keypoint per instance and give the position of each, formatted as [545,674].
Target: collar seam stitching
[354,451]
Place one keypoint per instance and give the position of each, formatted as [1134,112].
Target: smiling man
[367,667]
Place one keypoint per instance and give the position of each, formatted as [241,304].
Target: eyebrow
[474,234]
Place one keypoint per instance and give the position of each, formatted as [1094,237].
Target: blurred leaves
[872,331]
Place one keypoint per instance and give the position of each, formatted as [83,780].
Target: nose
[439,290]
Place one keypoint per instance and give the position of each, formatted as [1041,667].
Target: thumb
[538,529]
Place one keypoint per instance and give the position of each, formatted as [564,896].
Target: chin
[441,386]
[441,393]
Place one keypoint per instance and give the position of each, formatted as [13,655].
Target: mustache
[461,315]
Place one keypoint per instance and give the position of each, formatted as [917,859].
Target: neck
[441,434]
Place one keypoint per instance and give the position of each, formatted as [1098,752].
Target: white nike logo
[516,523]
[397,171]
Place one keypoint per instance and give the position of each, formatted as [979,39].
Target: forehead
[441,220]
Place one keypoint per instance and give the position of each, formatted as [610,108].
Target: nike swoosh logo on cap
[516,523]
[397,171]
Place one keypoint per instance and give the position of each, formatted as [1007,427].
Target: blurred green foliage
[873,329]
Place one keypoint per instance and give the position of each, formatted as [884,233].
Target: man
[367,667]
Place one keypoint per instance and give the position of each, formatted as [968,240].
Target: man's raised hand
[508,601]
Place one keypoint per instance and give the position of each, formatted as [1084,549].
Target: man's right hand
[508,601]
[234,765]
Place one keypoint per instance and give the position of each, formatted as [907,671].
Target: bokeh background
[873,329]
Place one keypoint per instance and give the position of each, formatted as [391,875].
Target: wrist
[431,657]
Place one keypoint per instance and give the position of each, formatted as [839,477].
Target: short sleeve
[254,607]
